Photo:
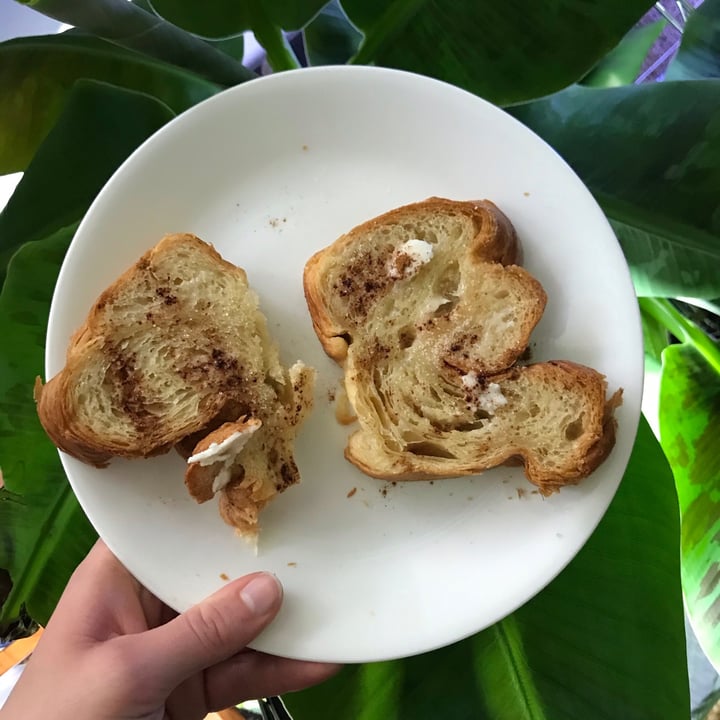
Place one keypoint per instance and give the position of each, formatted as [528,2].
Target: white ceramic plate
[270,172]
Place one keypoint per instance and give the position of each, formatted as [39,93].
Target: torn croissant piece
[173,349]
[428,313]
[218,465]
[216,459]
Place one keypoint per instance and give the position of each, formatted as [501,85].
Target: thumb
[214,629]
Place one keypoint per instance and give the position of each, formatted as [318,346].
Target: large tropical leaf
[209,19]
[604,641]
[98,128]
[232,45]
[43,532]
[37,73]
[689,430]
[699,53]
[131,25]
[331,39]
[220,18]
[651,156]
[266,18]
[506,51]
[623,64]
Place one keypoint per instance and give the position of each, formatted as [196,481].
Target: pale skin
[113,651]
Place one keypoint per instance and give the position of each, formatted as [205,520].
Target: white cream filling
[488,399]
[492,399]
[225,453]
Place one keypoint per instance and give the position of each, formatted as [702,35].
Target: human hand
[113,651]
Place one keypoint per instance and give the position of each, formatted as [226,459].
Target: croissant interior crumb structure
[176,353]
[428,311]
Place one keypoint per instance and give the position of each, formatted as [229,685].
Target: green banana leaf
[219,18]
[266,19]
[331,39]
[699,53]
[650,154]
[232,45]
[603,641]
[43,532]
[99,127]
[37,73]
[623,64]
[689,430]
[130,25]
[507,52]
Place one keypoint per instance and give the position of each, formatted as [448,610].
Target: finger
[251,675]
[214,629]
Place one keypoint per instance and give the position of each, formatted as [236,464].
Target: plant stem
[682,328]
[279,55]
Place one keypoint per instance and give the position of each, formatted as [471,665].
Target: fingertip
[262,594]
